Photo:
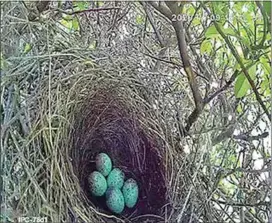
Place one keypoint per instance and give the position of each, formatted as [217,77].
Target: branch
[180,33]
[247,137]
[251,82]
[179,29]
[163,44]
[162,9]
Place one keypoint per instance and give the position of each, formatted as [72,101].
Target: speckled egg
[115,200]
[97,183]
[130,192]
[116,178]
[103,163]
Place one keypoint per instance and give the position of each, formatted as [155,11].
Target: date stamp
[186,17]
[32,219]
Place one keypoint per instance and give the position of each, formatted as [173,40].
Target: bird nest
[88,113]
[107,123]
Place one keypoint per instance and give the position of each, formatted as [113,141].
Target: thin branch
[86,10]
[177,65]
[263,203]
[160,39]
[251,82]
[152,22]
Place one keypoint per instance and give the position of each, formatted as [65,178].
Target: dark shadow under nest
[106,124]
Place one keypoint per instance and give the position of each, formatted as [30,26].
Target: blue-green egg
[130,192]
[97,183]
[115,200]
[116,178]
[103,164]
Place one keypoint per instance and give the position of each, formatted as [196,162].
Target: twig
[212,96]
[152,22]
[177,65]
[86,10]
[264,203]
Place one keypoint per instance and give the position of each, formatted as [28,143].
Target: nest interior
[106,123]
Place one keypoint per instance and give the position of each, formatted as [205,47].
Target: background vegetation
[202,68]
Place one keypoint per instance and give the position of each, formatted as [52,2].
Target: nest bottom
[105,125]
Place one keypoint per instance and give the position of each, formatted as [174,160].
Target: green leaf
[229,31]
[267,7]
[221,9]
[139,19]
[67,24]
[67,17]
[27,48]
[75,24]
[242,85]
[211,32]
[190,10]
[196,21]
[82,5]
[206,47]
[100,3]
[239,109]
[265,64]
[236,66]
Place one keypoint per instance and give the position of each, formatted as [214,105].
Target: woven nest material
[107,123]
[96,112]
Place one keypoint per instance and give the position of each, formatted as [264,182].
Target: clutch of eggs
[111,182]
